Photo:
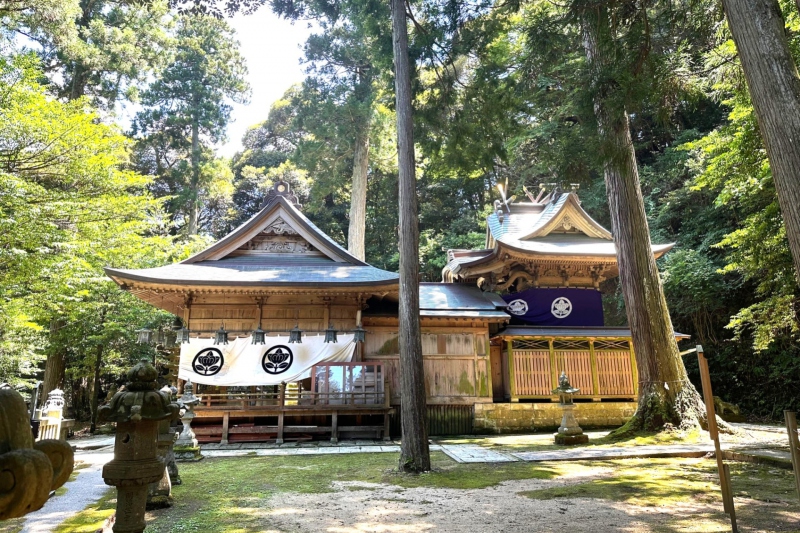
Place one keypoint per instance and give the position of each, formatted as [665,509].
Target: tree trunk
[665,393]
[193,202]
[759,32]
[358,194]
[54,366]
[53,373]
[414,453]
[98,361]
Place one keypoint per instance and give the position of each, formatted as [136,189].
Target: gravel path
[87,488]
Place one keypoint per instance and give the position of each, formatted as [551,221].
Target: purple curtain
[556,307]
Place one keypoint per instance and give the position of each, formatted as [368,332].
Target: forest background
[500,99]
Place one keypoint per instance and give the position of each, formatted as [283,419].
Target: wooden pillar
[595,376]
[279,439]
[634,370]
[553,365]
[511,377]
[335,427]
[281,404]
[225,422]
[387,398]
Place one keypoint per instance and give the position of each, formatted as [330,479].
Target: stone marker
[28,470]
[137,411]
[569,432]
[186,447]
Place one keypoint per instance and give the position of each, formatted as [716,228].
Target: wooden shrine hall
[287,336]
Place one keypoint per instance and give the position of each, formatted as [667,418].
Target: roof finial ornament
[282,188]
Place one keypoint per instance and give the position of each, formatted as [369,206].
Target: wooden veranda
[343,398]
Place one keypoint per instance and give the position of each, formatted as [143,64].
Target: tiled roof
[453,300]
[276,269]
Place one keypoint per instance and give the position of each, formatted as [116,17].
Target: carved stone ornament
[28,470]
[137,411]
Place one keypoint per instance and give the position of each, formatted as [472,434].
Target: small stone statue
[137,411]
[28,470]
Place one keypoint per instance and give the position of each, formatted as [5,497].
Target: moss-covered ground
[598,439]
[232,495]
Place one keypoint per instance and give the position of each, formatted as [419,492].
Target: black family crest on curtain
[277,359]
[556,307]
[208,361]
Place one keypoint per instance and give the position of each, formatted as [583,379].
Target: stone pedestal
[569,432]
[137,411]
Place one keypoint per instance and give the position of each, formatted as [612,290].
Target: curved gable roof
[279,210]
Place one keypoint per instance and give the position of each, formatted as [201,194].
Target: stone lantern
[569,432]
[159,494]
[186,447]
[137,410]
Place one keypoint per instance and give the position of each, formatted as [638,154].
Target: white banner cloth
[241,364]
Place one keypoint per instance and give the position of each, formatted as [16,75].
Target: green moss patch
[659,482]
[93,517]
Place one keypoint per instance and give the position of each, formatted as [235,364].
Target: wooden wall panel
[578,365]
[614,372]
[532,376]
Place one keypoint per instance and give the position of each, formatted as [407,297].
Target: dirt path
[384,508]
[358,507]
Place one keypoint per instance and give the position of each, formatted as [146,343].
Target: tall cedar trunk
[194,203]
[55,365]
[759,32]
[414,453]
[358,194]
[665,393]
[98,361]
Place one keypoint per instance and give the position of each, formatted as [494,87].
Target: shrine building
[287,335]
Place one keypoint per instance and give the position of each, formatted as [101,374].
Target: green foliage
[70,207]
[112,49]
[186,111]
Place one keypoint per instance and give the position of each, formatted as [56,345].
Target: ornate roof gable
[278,228]
[565,215]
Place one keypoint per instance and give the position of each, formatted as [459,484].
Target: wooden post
[225,422]
[511,377]
[387,404]
[281,404]
[724,472]
[279,439]
[335,427]
[794,445]
[553,365]
[595,376]
[634,370]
